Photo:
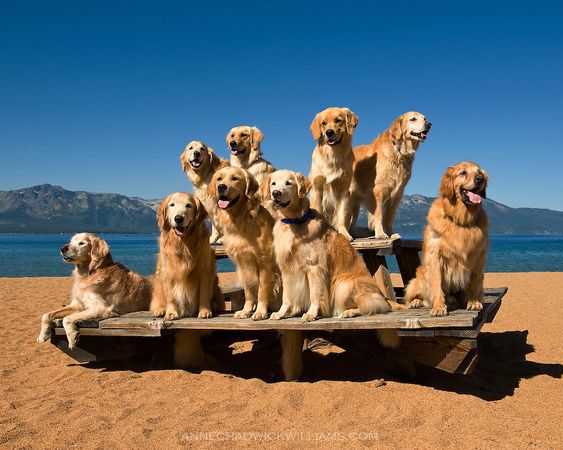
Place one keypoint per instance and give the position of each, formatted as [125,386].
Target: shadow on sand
[501,366]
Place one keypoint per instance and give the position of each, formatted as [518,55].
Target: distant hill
[52,209]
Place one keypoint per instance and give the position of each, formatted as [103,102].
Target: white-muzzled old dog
[101,288]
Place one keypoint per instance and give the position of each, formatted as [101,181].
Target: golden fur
[200,162]
[185,283]
[331,165]
[244,144]
[323,275]
[454,246]
[248,240]
[101,288]
[382,170]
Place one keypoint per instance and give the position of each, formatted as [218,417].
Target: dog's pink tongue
[223,203]
[474,198]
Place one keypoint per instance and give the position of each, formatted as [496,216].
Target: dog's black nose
[329,132]
[233,144]
[276,194]
[478,178]
[64,248]
[197,154]
[428,125]
[178,219]
[222,188]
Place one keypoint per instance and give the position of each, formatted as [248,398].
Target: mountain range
[51,209]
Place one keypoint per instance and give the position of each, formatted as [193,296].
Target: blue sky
[103,95]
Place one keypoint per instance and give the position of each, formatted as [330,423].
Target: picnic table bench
[448,343]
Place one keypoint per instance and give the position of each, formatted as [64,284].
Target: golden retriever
[101,288]
[200,162]
[248,239]
[382,170]
[185,282]
[454,246]
[322,273]
[244,145]
[331,166]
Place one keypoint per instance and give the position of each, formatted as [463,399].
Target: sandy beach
[512,400]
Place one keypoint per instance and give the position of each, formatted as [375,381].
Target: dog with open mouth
[200,162]
[101,288]
[383,168]
[322,274]
[185,282]
[244,144]
[454,246]
[248,240]
[331,166]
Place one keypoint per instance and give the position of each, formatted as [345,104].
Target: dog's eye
[338,120]
[171,204]
[273,183]
[413,119]
[287,183]
[82,243]
[202,149]
[463,173]
[234,178]
[323,123]
[188,205]
[220,179]
[243,135]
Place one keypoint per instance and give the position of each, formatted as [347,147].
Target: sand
[512,400]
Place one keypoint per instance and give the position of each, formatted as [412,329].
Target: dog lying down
[101,287]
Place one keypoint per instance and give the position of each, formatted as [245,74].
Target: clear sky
[102,96]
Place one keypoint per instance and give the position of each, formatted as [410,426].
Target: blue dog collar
[300,220]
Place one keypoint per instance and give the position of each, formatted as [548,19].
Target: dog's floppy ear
[161,215]
[486,175]
[251,185]
[214,160]
[184,160]
[351,121]
[256,137]
[99,249]
[265,187]
[228,137]
[303,185]
[316,127]
[396,128]
[200,213]
[212,187]
[447,188]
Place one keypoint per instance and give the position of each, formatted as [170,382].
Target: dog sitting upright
[101,288]
[244,145]
[200,162]
[248,240]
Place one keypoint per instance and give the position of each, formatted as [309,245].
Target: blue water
[28,255]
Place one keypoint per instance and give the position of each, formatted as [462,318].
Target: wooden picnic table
[448,343]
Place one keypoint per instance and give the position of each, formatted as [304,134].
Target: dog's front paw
[243,314]
[260,315]
[204,313]
[416,303]
[308,317]
[349,313]
[171,315]
[439,311]
[158,312]
[380,234]
[43,337]
[474,305]
[344,232]
[276,316]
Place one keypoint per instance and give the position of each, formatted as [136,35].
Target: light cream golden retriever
[185,283]
[382,170]
[101,288]
[248,239]
[200,162]
[244,145]
[454,246]
[322,273]
[331,166]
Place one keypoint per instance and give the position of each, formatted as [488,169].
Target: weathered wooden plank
[141,332]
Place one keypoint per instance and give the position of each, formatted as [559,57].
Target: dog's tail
[413,290]
[292,349]
[188,351]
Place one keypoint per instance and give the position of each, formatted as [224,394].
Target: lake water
[34,255]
